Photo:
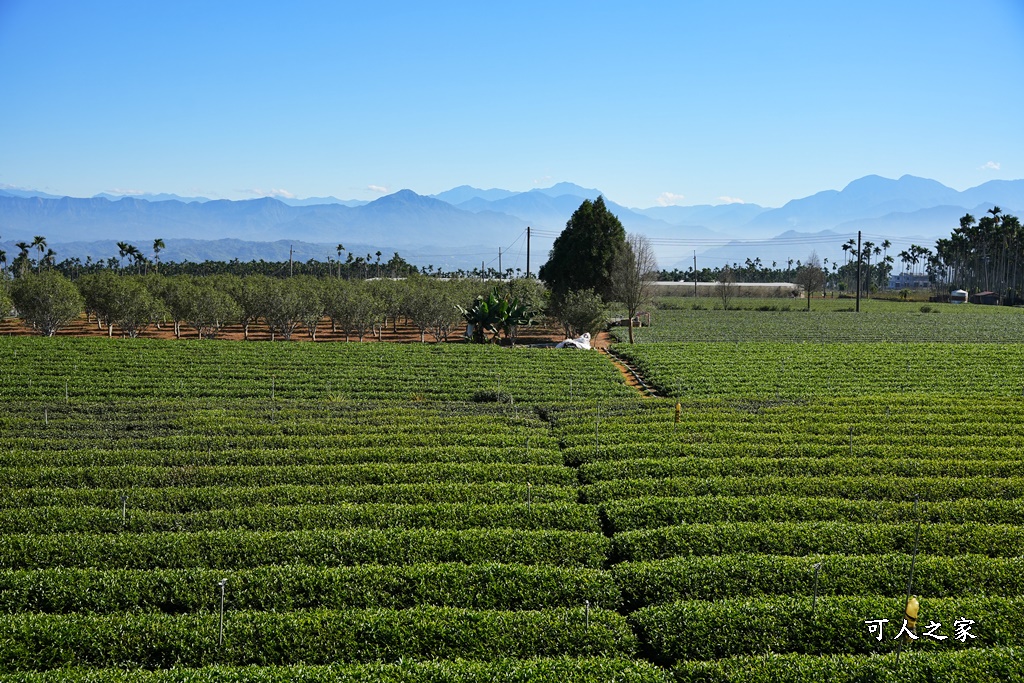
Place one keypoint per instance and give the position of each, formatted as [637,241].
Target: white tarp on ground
[581,342]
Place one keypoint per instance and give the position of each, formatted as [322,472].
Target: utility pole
[501,273]
[291,253]
[527,251]
[694,273]
[859,259]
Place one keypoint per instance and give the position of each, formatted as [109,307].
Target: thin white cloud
[670,199]
[269,193]
[379,189]
[991,166]
[545,180]
[731,200]
[125,193]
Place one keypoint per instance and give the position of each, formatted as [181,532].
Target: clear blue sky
[682,102]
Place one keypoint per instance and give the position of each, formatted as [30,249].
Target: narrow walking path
[630,372]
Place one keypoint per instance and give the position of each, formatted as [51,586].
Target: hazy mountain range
[465,225]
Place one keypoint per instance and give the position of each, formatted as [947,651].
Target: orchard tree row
[202,306]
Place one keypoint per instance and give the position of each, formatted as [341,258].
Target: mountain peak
[570,189]
[465,193]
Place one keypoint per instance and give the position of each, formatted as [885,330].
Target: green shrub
[699,630]
[147,640]
[731,576]
[238,549]
[291,587]
[805,538]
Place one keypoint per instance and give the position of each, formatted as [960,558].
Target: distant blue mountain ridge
[466,222]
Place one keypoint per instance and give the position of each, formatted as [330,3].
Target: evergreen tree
[583,256]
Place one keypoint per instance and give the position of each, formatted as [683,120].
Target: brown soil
[405,333]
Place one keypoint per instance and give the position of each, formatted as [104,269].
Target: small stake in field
[587,603]
[124,509]
[814,602]
[529,497]
[222,583]
[65,391]
[46,416]
[851,442]
[911,608]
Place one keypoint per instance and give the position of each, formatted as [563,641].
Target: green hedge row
[663,468]
[576,670]
[148,640]
[455,516]
[804,538]
[730,576]
[143,456]
[697,629]
[328,475]
[877,487]
[648,513]
[973,665]
[291,587]
[237,549]
[794,444]
[188,499]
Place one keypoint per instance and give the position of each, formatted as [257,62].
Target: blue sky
[656,102]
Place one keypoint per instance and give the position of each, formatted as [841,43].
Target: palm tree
[876,252]
[158,246]
[850,247]
[123,250]
[866,254]
[904,257]
[39,242]
[22,258]
[138,257]
[341,248]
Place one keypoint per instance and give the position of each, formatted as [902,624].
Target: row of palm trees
[871,278]
[130,250]
[985,254]
[23,263]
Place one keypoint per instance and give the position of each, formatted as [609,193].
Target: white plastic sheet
[581,342]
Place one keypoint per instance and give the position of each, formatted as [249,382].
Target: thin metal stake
[910,582]
[46,416]
[222,583]
[529,497]
[587,603]
[124,509]
[814,602]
